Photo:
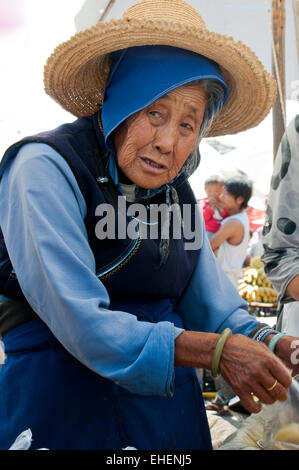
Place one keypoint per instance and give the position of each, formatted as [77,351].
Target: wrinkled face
[153,144]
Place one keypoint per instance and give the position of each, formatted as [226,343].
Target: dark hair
[214,179]
[239,186]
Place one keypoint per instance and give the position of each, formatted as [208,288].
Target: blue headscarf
[138,77]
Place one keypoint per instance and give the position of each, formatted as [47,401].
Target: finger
[263,394]
[250,403]
[282,374]
[276,390]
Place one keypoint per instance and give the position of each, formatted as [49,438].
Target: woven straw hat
[75,74]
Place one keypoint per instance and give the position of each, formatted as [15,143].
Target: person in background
[230,242]
[281,230]
[213,212]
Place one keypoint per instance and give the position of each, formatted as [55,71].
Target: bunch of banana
[254,286]
[256,262]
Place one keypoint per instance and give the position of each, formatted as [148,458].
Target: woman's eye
[154,113]
[187,126]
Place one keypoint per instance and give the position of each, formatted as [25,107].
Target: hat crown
[175,11]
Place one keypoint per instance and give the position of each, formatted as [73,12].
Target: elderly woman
[103,322]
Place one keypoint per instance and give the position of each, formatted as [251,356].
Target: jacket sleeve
[211,302]
[42,218]
[280,233]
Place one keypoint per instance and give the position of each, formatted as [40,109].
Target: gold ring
[273,386]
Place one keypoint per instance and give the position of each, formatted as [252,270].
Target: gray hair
[216,95]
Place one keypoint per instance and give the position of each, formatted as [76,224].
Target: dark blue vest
[129,268]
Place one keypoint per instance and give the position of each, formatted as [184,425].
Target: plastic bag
[259,431]
[23,441]
[281,422]
[247,436]
[2,354]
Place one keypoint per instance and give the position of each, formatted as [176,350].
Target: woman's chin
[148,181]
[151,184]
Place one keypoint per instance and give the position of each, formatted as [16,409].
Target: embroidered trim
[122,263]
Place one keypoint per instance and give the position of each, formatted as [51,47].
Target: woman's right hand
[251,368]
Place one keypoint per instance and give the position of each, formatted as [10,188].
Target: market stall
[257,290]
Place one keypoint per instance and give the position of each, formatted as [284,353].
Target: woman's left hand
[254,372]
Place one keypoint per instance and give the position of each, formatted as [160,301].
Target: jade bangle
[218,350]
[273,341]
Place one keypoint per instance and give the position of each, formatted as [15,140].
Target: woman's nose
[165,139]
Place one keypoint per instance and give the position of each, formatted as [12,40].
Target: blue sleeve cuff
[177,332]
[158,355]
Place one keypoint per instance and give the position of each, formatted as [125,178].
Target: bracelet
[268,333]
[273,341]
[218,350]
[264,332]
[256,330]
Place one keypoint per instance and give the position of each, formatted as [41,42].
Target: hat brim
[75,74]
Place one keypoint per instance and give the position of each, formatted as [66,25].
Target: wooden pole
[278,69]
[107,9]
[297,24]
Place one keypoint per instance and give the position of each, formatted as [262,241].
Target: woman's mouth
[152,165]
